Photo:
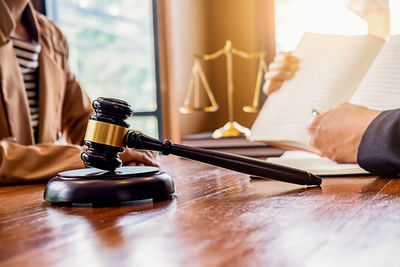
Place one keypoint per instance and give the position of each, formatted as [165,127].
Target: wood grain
[216,218]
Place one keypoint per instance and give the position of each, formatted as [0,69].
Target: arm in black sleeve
[379,149]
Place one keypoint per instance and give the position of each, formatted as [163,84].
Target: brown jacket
[64,108]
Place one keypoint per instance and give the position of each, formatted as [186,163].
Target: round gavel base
[98,187]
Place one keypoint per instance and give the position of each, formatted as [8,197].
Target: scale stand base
[231,129]
[98,187]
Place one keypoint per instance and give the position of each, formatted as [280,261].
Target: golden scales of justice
[231,128]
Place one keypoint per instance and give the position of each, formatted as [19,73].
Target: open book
[315,164]
[363,70]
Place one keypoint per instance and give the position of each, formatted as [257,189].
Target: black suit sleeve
[379,149]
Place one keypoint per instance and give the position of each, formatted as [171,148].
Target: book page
[315,164]
[331,68]
[380,88]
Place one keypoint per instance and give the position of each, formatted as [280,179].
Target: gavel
[108,134]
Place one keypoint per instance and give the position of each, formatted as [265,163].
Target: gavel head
[105,133]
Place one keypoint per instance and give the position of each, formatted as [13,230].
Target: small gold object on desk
[231,128]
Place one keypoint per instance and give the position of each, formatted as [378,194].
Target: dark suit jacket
[379,150]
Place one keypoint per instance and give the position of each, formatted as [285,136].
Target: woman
[41,102]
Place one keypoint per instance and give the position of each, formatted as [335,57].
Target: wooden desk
[216,218]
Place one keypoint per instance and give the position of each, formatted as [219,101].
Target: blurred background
[142,50]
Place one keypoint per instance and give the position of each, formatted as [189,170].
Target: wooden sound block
[95,186]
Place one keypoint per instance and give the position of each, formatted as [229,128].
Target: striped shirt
[27,55]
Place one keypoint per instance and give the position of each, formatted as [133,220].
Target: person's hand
[281,69]
[337,133]
[132,157]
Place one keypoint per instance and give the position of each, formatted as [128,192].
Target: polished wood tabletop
[216,217]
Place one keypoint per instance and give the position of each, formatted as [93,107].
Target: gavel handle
[237,163]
